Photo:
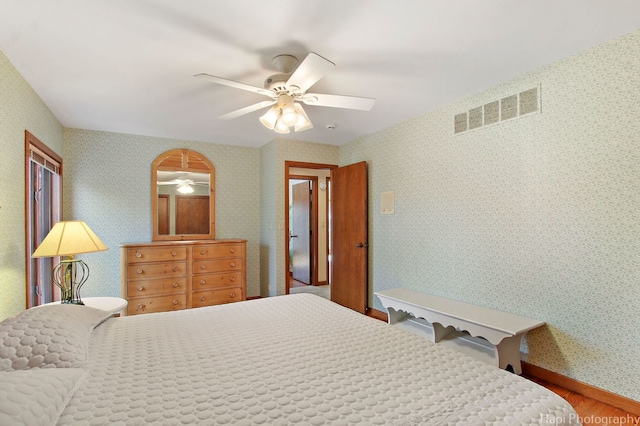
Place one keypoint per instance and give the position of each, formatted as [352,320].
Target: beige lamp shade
[69,238]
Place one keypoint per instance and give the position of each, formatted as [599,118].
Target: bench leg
[394,316]
[508,353]
[440,332]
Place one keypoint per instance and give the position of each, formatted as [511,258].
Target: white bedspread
[296,359]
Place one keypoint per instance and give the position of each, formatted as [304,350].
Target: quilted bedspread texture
[296,359]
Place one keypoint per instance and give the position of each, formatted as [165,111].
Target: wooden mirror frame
[182,160]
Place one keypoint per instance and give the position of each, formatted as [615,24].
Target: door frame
[287,175]
[32,143]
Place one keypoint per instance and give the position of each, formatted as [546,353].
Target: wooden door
[192,214]
[349,247]
[163,214]
[300,238]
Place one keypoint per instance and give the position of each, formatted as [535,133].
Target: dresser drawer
[217,250]
[217,297]
[157,304]
[205,266]
[216,280]
[158,254]
[145,270]
[155,287]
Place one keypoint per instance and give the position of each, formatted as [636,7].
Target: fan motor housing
[277,83]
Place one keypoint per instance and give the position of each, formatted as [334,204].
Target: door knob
[361,245]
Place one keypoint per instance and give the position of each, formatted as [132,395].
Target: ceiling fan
[287,89]
[184,186]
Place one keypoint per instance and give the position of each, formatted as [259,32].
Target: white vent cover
[497,111]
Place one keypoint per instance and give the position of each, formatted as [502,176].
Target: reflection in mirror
[183,202]
[182,199]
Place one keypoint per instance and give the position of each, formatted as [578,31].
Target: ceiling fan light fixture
[289,116]
[185,188]
[303,122]
[270,118]
[280,127]
[288,88]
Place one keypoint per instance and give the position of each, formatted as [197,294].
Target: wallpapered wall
[20,109]
[539,216]
[273,156]
[108,184]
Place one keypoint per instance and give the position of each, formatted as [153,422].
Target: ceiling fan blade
[246,110]
[338,101]
[235,84]
[312,69]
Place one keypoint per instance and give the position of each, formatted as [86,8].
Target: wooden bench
[490,335]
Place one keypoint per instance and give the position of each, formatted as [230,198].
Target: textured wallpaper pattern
[108,185]
[539,216]
[268,211]
[20,109]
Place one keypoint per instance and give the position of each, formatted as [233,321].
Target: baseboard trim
[604,396]
[379,315]
[627,404]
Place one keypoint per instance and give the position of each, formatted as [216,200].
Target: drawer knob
[232,279]
[202,299]
[138,254]
[140,288]
[175,302]
[140,306]
[232,250]
[203,252]
[175,285]
[174,254]
[175,269]
[203,267]
[202,282]
[232,264]
[232,295]
[139,271]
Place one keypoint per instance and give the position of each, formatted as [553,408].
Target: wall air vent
[507,108]
[475,118]
[528,101]
[491,112]
[460,123]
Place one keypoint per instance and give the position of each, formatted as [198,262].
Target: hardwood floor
[590,411]
[295,283]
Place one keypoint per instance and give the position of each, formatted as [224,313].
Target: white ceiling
[127,65]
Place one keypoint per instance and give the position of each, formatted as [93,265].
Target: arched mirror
[182,196]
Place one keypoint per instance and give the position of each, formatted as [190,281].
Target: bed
[295,359]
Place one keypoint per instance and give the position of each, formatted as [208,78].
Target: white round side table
[110,304]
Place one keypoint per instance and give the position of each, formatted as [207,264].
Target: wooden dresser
[171,275]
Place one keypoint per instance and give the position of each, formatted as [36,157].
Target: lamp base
[71,302]
[69,275]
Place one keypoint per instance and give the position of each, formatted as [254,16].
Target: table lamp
[69,238]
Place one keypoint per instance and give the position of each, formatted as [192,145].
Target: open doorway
[303,230]
[307,227]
